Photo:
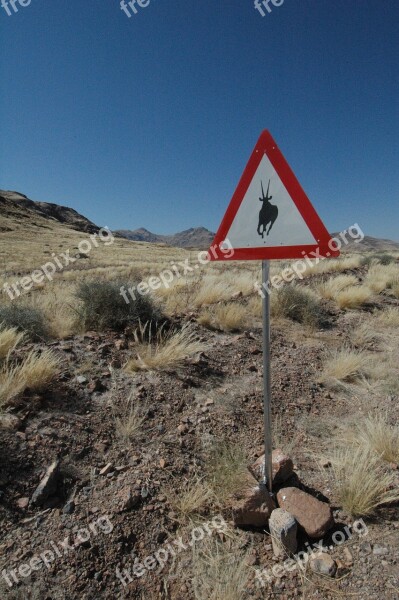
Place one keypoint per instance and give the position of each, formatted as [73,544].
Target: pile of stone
[293,510]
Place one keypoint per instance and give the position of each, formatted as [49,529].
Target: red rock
[126,499]
[282,467]
[314,516]
[251,504]
[107,469]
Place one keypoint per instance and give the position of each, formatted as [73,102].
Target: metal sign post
[266,375]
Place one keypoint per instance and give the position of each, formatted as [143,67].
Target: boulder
[314,516]
[282,467]
[283,529]
[251,503]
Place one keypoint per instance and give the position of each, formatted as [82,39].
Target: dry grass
[366,335]
[354,296]
[360,482]
[382,277]
[226,317]
[35,373]
[337,265]
[375,433]
[192,500]
[220,569]
[226,468]
[330,288]
[9,340]
[345,365]
[128,421]
[388,317]
[169,351]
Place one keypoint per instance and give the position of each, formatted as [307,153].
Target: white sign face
[267,215]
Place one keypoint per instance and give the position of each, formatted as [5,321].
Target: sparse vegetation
[354,297]
[360,481]
[169,350]
[35,372]
[25,318]
[103,307]
[191,500]
[330,288]
[226,467]
[128,419]
[344,365]
[375,433]
[226,317]
[297,304]
[220,569]
[10,338]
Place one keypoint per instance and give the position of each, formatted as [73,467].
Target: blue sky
[149,120]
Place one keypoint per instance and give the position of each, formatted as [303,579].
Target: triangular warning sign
[270,215]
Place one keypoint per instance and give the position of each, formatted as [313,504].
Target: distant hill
[197,237]
[16,208]
[370,244]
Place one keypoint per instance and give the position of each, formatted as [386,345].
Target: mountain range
[17,210]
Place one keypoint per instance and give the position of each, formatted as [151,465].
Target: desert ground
[150,413]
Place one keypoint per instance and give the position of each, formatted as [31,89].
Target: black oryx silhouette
[268,213]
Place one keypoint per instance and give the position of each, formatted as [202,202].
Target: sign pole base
[266,375]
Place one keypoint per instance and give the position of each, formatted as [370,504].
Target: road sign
[270,216]
[285,225]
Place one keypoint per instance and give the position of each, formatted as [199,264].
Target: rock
[107,469]
[47,486]
[283,529]
[282,467]
[182,428]
[121,345]
[69,508]
[126,499]
[380,550]
[314,516]
[251,504]
[8,421]
[22,502]
[323,564]
[81,379]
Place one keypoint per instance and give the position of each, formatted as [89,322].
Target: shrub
[298,305]
[354,296]
[103,306]
[25,318]
[383,259]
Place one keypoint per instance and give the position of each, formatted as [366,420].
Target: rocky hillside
[196,237]
[15,207]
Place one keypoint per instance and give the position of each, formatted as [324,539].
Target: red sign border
[267,145]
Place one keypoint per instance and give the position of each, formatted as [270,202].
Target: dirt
[119,493]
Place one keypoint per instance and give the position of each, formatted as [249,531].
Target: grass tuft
[360,481]
[168,351]
[345,365]
[9,340]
